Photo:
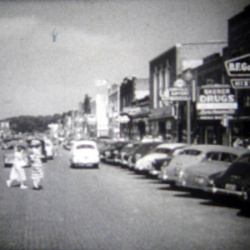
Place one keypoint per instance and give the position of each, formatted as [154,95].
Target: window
[213,156]
[191,152]
[85,146]
[244,159]
[228,157]
[162,150]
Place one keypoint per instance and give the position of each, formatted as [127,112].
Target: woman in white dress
[17,172]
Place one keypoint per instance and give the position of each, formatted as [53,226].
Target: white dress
[17,171]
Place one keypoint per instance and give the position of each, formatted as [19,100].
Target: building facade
[172,81]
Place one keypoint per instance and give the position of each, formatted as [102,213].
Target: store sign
[179,92]
[215,101]
[240,83]
[131,110]
[239,66]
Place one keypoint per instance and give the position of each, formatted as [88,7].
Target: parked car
[163,153]
[149,162]
[190,156]
[84,154]
[110,154]
[143,149]
[9,154]
[126,152]
[198,176]
[235,180]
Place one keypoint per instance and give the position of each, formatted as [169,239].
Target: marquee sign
[240,83]
[239,66]
[215,101]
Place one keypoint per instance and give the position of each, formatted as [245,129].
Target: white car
[84,154]
[151,163]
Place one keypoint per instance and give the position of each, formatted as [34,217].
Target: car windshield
[162,150]
[191,152]
[85,146]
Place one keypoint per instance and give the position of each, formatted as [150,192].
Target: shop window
[244,159]
[247,101]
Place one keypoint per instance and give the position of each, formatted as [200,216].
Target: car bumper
[240,194]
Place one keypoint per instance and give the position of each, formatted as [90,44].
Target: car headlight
[181,173]
[211,182]
[137,156]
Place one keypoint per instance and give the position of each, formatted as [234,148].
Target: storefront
[216,108]
[163,123]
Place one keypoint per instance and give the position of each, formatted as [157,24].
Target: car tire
[96,165]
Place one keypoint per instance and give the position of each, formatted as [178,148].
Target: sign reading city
[215,101]
[239,66]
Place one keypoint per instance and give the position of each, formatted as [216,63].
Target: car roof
[171,145]
[81,142]
[216,148]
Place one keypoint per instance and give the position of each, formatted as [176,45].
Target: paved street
[112,208]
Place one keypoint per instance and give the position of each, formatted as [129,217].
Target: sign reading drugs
[215,101]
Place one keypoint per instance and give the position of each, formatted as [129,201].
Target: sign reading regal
[216,100]
[239,66]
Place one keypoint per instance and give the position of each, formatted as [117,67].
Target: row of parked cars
[47,149]
[215,169]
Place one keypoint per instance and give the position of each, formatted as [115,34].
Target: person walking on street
[17,172]
[37,174]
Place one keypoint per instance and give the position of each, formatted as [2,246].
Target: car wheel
[96,165]
[72,165]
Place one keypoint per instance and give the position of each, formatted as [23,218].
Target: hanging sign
[239,66]
[215,101]
[179,92]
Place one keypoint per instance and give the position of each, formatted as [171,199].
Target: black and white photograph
[124,124]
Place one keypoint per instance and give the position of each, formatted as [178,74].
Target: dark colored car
[235,180]
[110,153]
[126,152]
[143,149]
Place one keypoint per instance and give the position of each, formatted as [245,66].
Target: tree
[86,105]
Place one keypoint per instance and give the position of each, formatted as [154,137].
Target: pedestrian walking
[17,172]
[37,174]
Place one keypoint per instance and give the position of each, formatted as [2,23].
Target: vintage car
[198,176]
[84,153]
[143,149]
[190,156]
[8,156]
[151,162]
[235,180]
[126,152]
[110,153]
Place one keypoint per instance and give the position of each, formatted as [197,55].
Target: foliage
[32,124]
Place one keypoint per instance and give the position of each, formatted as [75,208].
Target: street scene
[125,124]
[114,208]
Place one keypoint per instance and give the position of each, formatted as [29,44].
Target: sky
[94,40]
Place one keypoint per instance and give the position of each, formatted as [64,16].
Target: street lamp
[188,77]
